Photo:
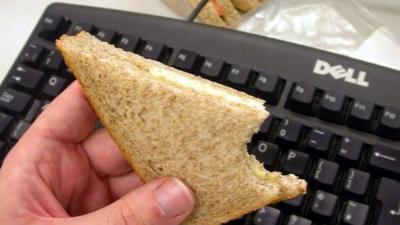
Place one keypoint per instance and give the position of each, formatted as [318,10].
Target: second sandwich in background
[222,13]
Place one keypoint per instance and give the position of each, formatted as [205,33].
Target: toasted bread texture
[170,123]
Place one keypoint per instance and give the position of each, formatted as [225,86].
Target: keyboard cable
[197,10]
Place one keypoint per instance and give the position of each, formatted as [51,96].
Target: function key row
[338,108]
[53,26]
[328,105]
[261,84]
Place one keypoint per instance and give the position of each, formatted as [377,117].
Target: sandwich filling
[185,81]
[259,170]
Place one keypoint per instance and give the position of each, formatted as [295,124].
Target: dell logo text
[339,72]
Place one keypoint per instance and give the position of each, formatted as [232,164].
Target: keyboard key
[238,76]
[267,216]
[77,27]
[13,100]
[332,106]
[44,106]
[106,35]
[33,53]
[268,87]
[389,123]
[296,162]
[5,121]
[212,68]
[266,153]
[33,112]
[19,130]
[153,50]
[25,77]
[185,60]
[54,85]
[356,183]
[326,173]
[3,152]
[302,98]
[53,60]
[318,142]
[266,126]
[355,213]
[349,150]
[323,206]
[128,42]
[294,204]
[297,220]
[361,114]
[385,159]
[388,194]
[51,27]
[289,133]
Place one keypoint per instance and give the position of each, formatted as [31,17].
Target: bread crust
[221,173]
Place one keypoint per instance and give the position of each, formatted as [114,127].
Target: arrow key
[385,159]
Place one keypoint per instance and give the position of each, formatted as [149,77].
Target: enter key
[389,196]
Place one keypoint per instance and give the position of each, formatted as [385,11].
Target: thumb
[165,201]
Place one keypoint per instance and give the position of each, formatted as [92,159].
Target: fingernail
[174,198]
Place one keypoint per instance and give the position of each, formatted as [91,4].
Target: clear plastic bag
[340,26]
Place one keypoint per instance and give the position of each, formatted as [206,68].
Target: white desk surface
[18,18]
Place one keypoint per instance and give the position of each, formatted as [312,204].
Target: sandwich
[220,13]
[170,123]
[246,5]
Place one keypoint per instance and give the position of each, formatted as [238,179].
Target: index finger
[69,118]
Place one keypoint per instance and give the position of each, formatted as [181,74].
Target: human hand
[60,172]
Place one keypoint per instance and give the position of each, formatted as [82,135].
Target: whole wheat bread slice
[170,123]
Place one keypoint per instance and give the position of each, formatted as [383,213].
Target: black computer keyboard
[335,123]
